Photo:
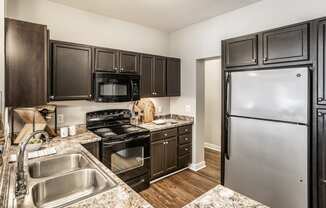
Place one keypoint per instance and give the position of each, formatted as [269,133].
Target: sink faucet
[21,187]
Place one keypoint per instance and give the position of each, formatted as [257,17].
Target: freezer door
[271,94]
[268,162]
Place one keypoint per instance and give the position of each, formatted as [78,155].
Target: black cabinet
[321,63]
[241,51]
[106,59]
[93,148]
[173,77]
[321,143]
[286,44]
[26,58]
[147,64]
[71,71]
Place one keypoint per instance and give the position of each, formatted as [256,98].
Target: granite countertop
[122,196]
[222,197]
[171,122]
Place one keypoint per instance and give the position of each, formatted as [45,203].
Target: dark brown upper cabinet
[147,64]
[286,45]
[321,64]
[129,62]
[112,60]
[153,76]
[321,144]
[26,52]
[159,77]
[71,71]
[106,59]
[241,51]
[173,77]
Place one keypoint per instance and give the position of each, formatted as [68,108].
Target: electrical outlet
[188,108]
[61,118]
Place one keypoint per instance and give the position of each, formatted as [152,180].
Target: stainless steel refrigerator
[267,136]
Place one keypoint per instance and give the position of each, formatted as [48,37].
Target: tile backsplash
[74,112]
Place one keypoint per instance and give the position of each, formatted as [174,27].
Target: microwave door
[114,90]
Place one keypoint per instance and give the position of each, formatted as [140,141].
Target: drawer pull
[186,149]
[186,139]
[186,130]
[323,181]
[165,135]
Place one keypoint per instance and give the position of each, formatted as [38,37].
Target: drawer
[185,129]
[156,136]
[185,139]
[184,161]
[170,133]
[184,149]
[159,135]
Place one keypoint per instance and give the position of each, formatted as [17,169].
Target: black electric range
[125,148]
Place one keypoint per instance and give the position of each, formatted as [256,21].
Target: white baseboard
[212,146]
[197,166]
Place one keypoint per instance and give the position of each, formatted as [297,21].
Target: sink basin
[69,188]
[57,165]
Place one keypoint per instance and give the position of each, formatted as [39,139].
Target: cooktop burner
[119,130]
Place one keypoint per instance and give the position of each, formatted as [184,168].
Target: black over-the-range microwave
[112,87]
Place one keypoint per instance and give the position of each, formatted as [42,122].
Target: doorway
[212,118]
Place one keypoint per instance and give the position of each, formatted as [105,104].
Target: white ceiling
[165,15]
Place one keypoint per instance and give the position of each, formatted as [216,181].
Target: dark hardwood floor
[180,189]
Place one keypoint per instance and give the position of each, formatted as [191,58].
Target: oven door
[128,159]
[115,88]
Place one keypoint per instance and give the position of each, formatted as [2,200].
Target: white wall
[73,25]
[213,103]
[204,40]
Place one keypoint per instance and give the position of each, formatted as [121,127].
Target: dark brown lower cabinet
[321,143]
[93,148]
[157,160]
[170,150]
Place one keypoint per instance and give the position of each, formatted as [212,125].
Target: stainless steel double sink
[57,181]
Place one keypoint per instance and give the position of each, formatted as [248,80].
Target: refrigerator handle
[227,116]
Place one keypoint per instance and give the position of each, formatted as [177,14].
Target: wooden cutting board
[146,106]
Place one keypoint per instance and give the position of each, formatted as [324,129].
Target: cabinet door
[26,51]
[286,45]
[241,51]
[106,59]
[159,77]
[129,62]
[72,68]
[147,63]
[157,160]
[171,154]
[173,76]
[321,142]
[321,64]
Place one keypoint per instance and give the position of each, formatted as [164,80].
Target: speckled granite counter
[121,196]
[171,122]
[222,197]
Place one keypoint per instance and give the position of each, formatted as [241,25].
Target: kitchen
[73,43]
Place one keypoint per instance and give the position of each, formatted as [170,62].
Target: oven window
[127,159]
[113,89]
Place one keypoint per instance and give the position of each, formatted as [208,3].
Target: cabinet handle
[165,135]
[122,69]
[186,139]
[323,181]
[186,130]
[265,59]
[254,60]
[186,149]
[167,142]
[320,99]
[52,97]
[320,114]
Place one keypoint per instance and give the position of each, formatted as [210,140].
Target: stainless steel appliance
[267,136]
[125,148]
[111,87]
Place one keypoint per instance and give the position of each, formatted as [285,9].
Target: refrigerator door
[268,162]
[271,94]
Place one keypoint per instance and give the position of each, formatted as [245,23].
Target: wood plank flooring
[180,189]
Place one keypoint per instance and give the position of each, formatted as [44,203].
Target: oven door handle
[109,144]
